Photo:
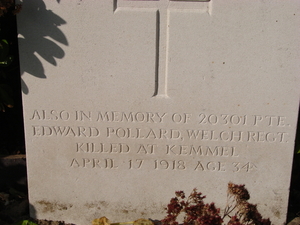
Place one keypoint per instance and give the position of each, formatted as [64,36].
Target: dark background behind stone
[12,144]
[11,121]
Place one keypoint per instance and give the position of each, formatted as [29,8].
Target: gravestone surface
[126,102]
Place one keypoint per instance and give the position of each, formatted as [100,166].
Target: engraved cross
[163,8]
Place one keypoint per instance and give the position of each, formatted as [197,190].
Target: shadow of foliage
[39,33]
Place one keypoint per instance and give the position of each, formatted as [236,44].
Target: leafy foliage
[7,5]
[11,129]
[5,89]
[6,59]
[238,209]
[25,222]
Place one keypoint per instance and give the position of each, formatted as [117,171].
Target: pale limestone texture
[143,98]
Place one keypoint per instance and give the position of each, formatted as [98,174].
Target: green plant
[25,222]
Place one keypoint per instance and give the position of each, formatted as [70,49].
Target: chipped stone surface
[142,98]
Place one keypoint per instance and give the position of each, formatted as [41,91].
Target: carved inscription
[161,117]
[198,142]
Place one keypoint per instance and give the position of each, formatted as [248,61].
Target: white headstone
[144,98]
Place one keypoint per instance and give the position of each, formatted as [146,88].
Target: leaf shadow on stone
[39,35]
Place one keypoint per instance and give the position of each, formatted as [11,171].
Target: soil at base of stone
[16,210]
[49,222]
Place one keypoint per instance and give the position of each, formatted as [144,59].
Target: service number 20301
[223,119]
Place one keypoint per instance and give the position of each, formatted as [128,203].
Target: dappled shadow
[39,33]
